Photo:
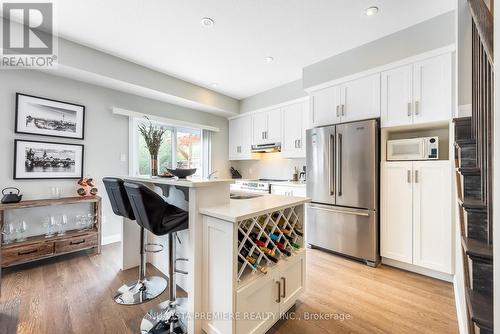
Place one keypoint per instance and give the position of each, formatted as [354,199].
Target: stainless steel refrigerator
[343,182]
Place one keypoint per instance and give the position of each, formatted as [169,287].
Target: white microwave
[423,148]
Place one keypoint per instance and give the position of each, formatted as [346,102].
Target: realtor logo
[28,35]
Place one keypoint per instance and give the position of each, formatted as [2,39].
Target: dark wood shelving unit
[39,247]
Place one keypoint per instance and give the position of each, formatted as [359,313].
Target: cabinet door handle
[279,292]
[266,134]
[409,109]
[417,107]
[27,252]
[408,176]
[416,176]
[343,110]
[77,242]
[283,279]
[299,143]
[338,114]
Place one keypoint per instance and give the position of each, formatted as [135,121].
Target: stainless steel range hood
[266,148]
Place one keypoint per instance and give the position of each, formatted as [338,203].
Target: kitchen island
[253,262]
[223,271]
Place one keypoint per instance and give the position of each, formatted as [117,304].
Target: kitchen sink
[244,196]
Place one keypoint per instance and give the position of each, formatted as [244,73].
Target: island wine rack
[266,239]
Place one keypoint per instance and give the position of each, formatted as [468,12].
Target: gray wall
[290,91]
[86,59]
[106,135]
[426,36]
[96,67]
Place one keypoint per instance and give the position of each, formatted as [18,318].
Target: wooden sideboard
[41,247]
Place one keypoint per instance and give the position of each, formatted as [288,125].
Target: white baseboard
[462,323]
[110,239]
[418,270]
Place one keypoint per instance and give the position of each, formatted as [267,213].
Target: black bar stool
[145,288]
[161,218]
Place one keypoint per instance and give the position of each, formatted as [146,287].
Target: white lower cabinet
[432,216]
[267,298]
[261,296]
[255,304]
[396,234]
[416,214]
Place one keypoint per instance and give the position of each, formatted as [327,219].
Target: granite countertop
[190,183]
[239,209]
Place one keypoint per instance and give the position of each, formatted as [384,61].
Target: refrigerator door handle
[339,164]
[356,213]
[331,158]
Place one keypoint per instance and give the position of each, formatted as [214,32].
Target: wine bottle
[246,250]
[253,261]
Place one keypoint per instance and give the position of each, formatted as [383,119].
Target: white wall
[106,135]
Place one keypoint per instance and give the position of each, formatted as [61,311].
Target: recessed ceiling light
[269,59]
[207,22]
[370,11]
[214,85]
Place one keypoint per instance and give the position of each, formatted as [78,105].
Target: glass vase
[154,165]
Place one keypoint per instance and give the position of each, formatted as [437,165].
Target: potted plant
[153,136]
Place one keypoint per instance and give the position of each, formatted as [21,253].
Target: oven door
[406,149]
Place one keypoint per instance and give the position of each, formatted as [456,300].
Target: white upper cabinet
[273,134]
[432,89]
[259,125]
[240,138]
[295,118]
[397,96]
[418,93]
[324,106]
[352,101]
[360,99]
[266,127]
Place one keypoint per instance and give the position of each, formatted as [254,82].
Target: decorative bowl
[182,173]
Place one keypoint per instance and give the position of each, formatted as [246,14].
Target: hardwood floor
[72,294]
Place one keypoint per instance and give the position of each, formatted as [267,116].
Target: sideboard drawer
[76,243]
[26,253]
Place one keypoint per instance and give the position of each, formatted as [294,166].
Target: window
[180,148]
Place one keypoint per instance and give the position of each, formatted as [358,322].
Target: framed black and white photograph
[45,160]
[40,116]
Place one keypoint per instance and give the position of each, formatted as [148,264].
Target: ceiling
[167,35]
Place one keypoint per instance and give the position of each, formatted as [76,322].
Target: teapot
[11,197]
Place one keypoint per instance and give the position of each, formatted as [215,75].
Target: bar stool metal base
[139,292]
[173,313]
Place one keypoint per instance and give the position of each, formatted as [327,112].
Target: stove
[259,185]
